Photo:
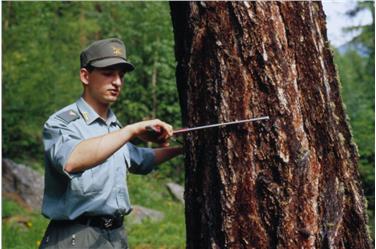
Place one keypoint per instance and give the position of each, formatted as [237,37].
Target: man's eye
[107,73]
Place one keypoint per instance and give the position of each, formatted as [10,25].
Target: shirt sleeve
[142,160]
[59,141]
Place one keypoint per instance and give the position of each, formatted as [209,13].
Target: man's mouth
[114,92]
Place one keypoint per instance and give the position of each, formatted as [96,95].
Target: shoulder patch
[68,116]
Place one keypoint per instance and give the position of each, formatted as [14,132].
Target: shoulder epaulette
[68,116]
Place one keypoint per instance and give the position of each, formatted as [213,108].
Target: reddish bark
[292,181]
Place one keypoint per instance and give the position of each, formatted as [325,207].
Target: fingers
[166,133]
[159,132]
[164,128]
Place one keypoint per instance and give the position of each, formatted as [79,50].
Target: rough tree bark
[292,181]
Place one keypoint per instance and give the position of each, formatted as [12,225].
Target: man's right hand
[160,134]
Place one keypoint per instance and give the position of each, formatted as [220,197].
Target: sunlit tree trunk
[292,181]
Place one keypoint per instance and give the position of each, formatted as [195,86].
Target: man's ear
[84,76]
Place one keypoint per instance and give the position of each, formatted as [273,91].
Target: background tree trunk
[292,181]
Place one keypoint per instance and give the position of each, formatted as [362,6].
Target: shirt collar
[111,117]
[89,115]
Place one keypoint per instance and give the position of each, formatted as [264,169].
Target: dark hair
[89,68]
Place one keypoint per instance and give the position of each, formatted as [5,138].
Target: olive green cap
[105,53]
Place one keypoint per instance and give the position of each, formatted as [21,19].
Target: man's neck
[100,108]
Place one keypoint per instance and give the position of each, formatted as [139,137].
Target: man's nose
[117,80]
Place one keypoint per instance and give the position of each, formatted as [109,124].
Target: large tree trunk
[292,181]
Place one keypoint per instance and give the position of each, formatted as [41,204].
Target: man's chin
[110,101]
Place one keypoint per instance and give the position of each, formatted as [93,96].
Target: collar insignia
[86,115]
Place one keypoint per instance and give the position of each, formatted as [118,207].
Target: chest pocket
[92,180]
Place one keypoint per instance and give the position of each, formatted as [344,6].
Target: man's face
[104,84]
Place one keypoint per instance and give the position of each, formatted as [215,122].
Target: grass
[150,191]
[22,229]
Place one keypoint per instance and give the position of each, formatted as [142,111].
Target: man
[88,155]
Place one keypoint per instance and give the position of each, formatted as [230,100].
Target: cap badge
[117,51]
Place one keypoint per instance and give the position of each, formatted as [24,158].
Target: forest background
[41,42]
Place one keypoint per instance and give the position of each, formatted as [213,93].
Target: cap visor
[113,61]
